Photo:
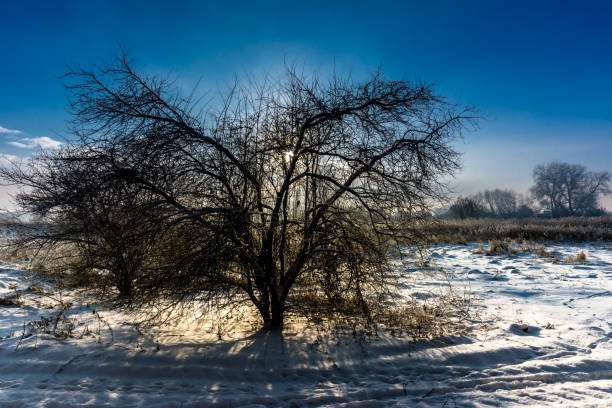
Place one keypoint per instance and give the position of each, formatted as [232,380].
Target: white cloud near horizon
[9,131]
[7,159]
[43,142]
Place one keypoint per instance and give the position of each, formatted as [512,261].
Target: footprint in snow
[524,329]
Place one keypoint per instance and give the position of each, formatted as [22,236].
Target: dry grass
[443,313]
[574,229]
[500,248]
[579,258]
[513,247]
[552,256]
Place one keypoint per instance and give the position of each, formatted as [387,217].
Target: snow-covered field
[547,342]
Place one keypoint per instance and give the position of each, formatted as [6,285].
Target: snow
[544,339]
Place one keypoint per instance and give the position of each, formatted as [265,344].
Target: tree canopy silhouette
[283,193]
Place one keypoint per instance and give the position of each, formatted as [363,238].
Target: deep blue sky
[539,71]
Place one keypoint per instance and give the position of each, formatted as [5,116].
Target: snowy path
[563,359]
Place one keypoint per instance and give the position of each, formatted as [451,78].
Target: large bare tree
[283,192]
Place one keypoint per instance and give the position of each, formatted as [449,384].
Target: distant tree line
[559,190]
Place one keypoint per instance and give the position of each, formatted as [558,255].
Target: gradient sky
[540,72]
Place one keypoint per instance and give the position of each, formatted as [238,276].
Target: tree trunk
[274,315]
[123,282]
[278,314]
[271,307]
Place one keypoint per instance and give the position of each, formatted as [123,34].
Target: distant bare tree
[286,191]
[569,189]
[466,207]
[501,203]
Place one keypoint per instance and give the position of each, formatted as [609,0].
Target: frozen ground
[548,342]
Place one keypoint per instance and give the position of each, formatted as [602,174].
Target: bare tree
[466,207]
[569,189]
[284,192]
[90,218]
[501,203]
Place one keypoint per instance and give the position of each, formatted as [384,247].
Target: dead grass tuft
[59,326]
[579,258]
[500,248]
